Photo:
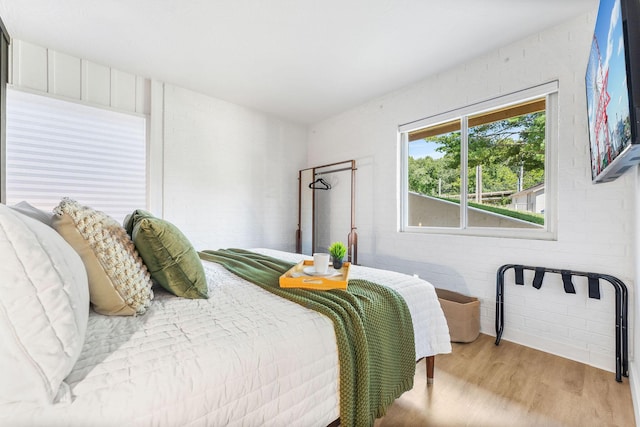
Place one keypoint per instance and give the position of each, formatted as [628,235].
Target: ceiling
[302,60]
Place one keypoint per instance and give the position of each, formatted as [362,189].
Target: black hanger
[321,181]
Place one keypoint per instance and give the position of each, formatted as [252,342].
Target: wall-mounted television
[613,90]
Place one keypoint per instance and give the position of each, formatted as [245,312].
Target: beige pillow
[119,283]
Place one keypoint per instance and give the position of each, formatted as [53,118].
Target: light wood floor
[481,384]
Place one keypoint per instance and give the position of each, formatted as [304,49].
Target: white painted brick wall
[230,173]
[596,223]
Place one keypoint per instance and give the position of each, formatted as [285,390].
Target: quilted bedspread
[244,357]
[373,327]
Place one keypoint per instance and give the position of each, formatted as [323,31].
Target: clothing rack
[622,303]
[318,183]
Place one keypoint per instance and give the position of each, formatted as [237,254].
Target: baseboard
[634,385]
[559,349]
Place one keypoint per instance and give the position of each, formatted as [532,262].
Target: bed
[241,357]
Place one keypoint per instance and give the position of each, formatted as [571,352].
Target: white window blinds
[57,149]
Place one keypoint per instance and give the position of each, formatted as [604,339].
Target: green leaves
[502,148]
[337,250]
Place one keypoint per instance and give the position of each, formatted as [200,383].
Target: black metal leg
[618,335]
[625,332]
[623,313]
[500,302]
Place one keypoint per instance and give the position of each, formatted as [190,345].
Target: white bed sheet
[244,357]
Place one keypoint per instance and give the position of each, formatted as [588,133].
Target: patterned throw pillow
[119,283]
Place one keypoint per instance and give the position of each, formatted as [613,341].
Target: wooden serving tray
[296,278]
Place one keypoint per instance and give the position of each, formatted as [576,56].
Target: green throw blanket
[373,328]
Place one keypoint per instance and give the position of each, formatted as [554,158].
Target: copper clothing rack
[352,238]
[622,303]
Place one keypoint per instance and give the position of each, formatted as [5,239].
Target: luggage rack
[622,303]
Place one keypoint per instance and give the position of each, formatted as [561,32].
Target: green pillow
[169,256]
[128,222]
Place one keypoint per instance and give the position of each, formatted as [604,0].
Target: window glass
[434,177]
[506,162]
[499,150]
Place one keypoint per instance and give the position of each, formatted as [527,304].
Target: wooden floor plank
[480,384]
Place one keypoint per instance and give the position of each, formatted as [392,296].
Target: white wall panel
[29,66]
[46,70]
[96,83]
[64,73]
[123,90]
[155,152]
[143,95]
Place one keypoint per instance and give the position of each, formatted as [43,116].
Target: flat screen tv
[613,90]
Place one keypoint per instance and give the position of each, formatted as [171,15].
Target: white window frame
[549,232]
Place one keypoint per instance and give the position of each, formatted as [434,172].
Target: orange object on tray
[297,277]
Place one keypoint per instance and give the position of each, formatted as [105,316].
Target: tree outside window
[502,155]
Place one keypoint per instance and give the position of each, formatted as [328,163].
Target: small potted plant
[337,250]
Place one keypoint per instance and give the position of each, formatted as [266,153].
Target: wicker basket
[462,313]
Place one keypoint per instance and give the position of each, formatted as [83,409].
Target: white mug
[321,262]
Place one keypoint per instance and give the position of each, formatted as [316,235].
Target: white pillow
[33,212]
[44,309]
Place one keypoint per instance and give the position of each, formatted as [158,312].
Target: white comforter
[244,357]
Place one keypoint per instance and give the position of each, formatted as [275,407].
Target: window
[483,169]
[57,149]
